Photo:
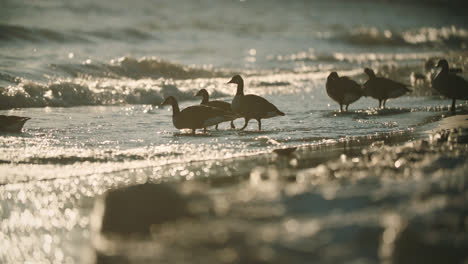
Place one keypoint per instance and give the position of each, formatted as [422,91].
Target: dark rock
[135,209]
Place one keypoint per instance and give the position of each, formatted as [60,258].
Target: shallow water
[93,82]
[64,142]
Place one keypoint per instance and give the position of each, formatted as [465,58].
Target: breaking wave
[147,67]
[122,81]
[67,93]
[449,37]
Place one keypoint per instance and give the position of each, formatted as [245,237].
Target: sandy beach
[405,203]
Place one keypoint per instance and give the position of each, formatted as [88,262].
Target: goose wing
[461,86]
[351,85]
[255,105]
[200,116]
[369,88]
[334,89]
[220,104]
[352,91]
[392,89]
[453,86]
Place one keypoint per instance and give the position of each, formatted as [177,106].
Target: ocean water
[92,74]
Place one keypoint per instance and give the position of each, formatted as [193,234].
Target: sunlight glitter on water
[93,86]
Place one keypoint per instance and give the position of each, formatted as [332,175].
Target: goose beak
[231,81]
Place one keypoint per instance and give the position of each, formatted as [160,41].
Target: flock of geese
[343,90]
[211,113]
[346,91]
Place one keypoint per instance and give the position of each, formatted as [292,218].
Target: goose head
[369,73]
[237,79]
[202,93]
[170,100]
[443,64]
[333,76]
[240,84]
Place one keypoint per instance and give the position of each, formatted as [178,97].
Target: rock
[135,209]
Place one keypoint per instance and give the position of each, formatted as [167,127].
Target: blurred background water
[91,75]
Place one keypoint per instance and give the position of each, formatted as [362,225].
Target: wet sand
[395,200]
[453,122]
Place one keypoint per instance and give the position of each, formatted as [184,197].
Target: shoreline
[400,203]
[231,168]
[386,192]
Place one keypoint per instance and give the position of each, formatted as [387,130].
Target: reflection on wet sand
[380,203]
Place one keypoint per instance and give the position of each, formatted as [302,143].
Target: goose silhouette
[449,84]
[12,123]
[382,88]
[251,106]
[216,103]
[343,90]
[196,116]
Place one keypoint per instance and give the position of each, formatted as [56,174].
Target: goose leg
[232,124]
[347,108]
[259,124]
[384,101]
[193,131]
[341,108]
[380,103]
[453,105]
[216,127]
[245,125]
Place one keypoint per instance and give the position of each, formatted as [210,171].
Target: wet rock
[429,246]
[135,209]
[285,151]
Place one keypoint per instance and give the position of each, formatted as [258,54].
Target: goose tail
[280,113]
[407,88]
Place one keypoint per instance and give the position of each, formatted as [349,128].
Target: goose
[343,90]
[382,88]
[450,84]
[196,116]
[430,64]
[217,104]
[251,106]
[12,123]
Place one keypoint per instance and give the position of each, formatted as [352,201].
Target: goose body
[12,123]
[251,106]
[343,90]
[450,84]
[216,104]
[382,88]
[196,116]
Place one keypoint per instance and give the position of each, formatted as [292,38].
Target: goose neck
[240,88]
[445,69]
[205,98]
[175,107]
